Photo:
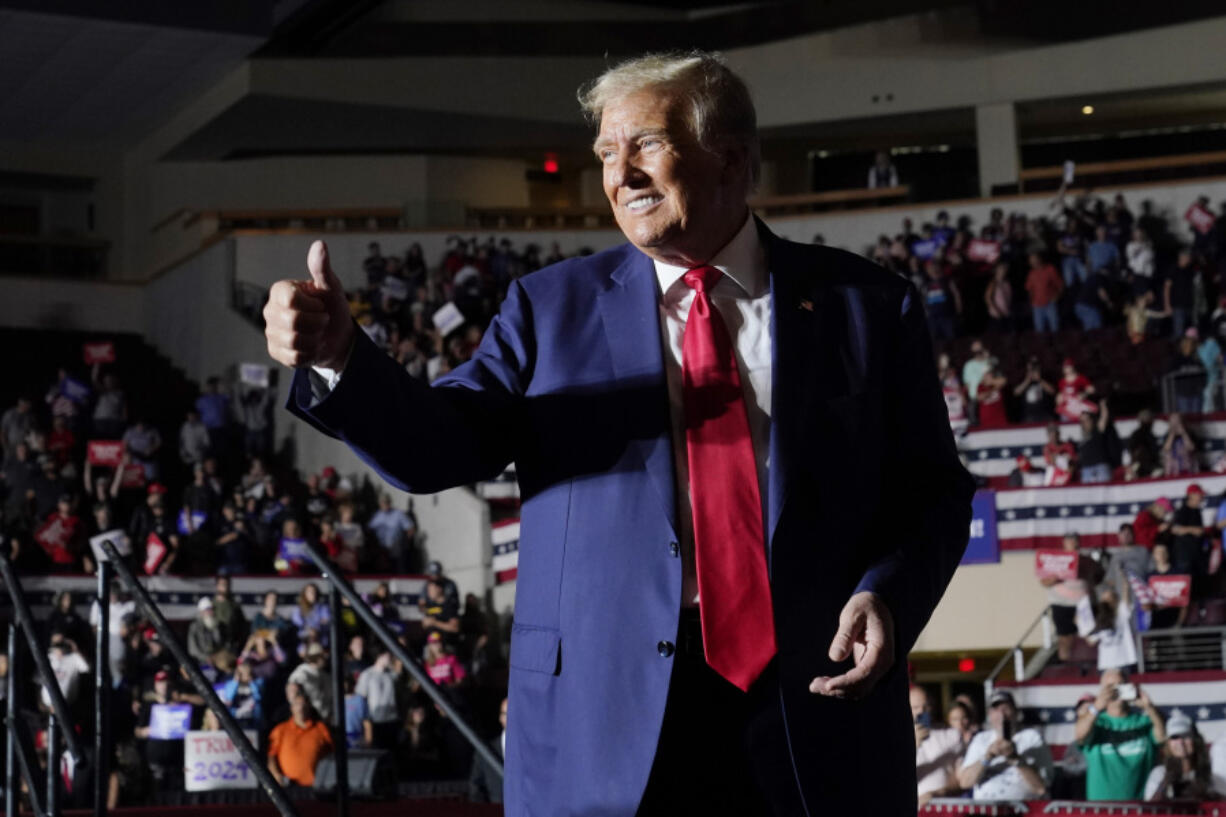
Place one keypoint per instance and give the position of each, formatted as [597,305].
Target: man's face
[1194,499]
[1125,537]
[672,198]
[1071,543]
[919,702]
[1001,714]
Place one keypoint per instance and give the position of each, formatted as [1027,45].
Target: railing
[19,752]
[1184,648]
[1017,655]
[1167,167]
[59,256]
[168,637]
[1184,391]
[829,200]
[339,587]
[1034,808]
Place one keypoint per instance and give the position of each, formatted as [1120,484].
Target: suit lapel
[629,309]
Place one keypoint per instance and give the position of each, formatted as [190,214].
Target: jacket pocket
[536,649]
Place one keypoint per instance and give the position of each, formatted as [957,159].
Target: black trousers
[721,751]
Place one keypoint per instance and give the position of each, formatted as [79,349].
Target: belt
[689,633]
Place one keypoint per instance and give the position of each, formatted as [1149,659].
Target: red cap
[329,472]
[1068,361]
[1195,488]
[157,488]
[162,675]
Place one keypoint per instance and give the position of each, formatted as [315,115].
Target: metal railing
[168,637]
[338,588]
[1016,654]
[19,753]
[1181,648]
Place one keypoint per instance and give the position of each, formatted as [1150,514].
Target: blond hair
[717,104]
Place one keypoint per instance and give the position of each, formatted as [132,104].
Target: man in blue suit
[741,497]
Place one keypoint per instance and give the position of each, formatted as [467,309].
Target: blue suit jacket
[866,493]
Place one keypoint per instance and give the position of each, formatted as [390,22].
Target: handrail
[25,622]
[333,577]
[1014,654]
[259,768]
[854,194]
[18,756]
[1126,165]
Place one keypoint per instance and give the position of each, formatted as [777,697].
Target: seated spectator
[1004,761]
[1044,287]
[990,398]
[1070,783]
[1036,394]
[378,684]
[1073,395]
[938,752]
[312,678]
[312,617]
[1094,452]
[384,606]
[484,783]
[440,614]
[1180,449]
[442,666]
[1184,773]
[1188,530]
[1120,744]
[204,635]
[296,745]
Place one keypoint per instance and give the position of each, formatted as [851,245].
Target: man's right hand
[307,323]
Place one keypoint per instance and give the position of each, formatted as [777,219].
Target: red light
[551,163]
[966,665]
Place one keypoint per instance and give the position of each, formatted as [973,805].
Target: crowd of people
[1089,264]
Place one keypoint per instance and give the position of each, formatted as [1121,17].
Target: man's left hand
[866,635]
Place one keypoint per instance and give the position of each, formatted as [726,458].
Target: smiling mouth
[643,203]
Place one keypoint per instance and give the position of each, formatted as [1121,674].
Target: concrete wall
[39,303]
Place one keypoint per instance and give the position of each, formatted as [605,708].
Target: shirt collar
[742,259]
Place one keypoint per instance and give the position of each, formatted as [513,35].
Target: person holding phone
[1004,761]
[1119,737]
[938,751]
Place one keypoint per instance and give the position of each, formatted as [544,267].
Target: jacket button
[665,648]
[674,549]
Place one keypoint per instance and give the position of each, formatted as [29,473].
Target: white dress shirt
[742,298]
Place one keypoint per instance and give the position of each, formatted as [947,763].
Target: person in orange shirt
[295,746]
[1045,287]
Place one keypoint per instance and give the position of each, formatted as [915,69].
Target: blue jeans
[1096,473]
[1089,316]
[1180,319]
[1074,269]
[941,324]
[1046,316]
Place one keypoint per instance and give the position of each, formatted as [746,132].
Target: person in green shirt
[1120,743]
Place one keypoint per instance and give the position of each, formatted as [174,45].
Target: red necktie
[734,597]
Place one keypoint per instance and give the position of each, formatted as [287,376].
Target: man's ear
[735,162]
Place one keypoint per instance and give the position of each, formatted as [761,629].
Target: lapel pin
[806,305]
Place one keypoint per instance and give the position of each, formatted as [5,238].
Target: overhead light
[1087,109]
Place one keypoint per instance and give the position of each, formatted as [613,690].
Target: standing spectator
[377,684]
[1074,392]
[1128,557]
[1120,744]
[359,731]
[163,757]
[229,614]
[956,402]
[68,666]
[961,718]
[1185,773]
[485,783]
[1179,293]
[142,442]
[62,536]
[1004,762]
[374,264]
[61,441]
[441,664]
[1188,529]
[1164,618]
[234,541]
[973,370]
[450,591]
[395,531]
[1210,354]
[296,745]
[1153,522]
[269,620]
[1044,287]
[1063,595]
[311,617]
[193,439]
[16,423]
[998,296]
[882,173]
[292,558]
[1113,633]
[1036,394]
[1071,247]
[1180,448]
[440,614]
[313,679]
[938,752]
[1140,253]
[991,398]
[350,532]
[1103,254]
[110,408]
[204,635]
[1188,374]
[214,409]
[1094,454]
[243,695]
[1143,449]
[255,415]
[942,299]
[1093,300]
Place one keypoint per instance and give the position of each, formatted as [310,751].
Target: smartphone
[1006,729]
[924,719]
[1126,692]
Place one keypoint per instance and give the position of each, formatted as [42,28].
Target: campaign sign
[1173,590]
[169,721]
[155,552]
[74,390]
[293,550]
[1200,218]
[1060,564]
[54,534]
[133,476]
[188,526]
[397,289]
[985,252]
[924,250]
[211,762]
[253,374]
[104,452]
[448,318]
[984,545]
[118,538]
[99,352]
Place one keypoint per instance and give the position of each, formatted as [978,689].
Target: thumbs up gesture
[307,322]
